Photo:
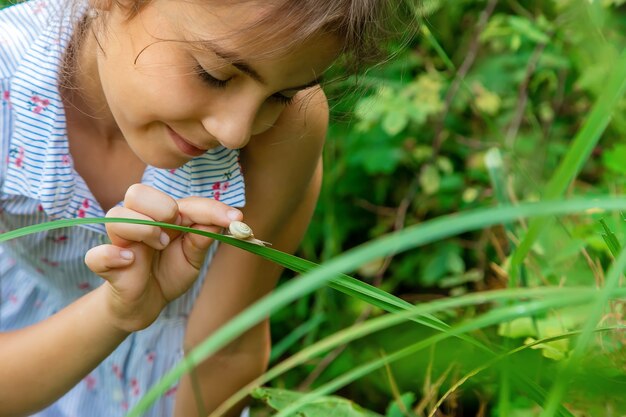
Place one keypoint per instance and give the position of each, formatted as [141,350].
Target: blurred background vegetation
[476,110]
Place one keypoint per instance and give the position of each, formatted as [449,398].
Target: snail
[242,231]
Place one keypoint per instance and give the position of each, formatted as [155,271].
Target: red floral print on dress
[48,262]
[117,371]
[134,384]
[6,98]
[39,7]
[58,239]
[38,104]
[18,154]
[90,381]
[218,187]
[82,210]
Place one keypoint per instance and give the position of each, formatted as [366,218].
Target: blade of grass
[582,146]
[394,243]
[506,355]
[497,176]
[281,347]
[559,386]
[397,242]
[380,323]
[490,318]
[610,239]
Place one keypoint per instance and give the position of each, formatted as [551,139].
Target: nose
[231,127]
[235,119]
[231,133]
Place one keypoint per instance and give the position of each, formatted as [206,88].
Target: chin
[164,163]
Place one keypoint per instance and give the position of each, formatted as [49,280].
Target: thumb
[105,260]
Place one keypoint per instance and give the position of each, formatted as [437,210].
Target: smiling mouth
[184,145]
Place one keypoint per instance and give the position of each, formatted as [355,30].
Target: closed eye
[212,81]
[282,99]
[209,79]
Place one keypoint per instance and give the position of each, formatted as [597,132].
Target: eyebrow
[236,61]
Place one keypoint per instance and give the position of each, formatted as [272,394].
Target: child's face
[173,99]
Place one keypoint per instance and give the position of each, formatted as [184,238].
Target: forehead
[217,18]
[255,27]
[232,28]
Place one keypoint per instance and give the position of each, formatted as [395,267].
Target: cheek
[266,117]
[152,92]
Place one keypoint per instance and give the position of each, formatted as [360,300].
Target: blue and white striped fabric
[40,274]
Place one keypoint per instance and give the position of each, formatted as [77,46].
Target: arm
[38,364]
[34,373]
[283,178]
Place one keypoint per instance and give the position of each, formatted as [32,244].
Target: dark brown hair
[360,26]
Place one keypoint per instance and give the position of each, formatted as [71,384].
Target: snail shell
[240,230]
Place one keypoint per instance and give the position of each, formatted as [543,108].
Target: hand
[146,266]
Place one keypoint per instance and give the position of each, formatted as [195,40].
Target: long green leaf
[341,282]
[414,236]
[493,317]
[384,322]
[601,300]
[580,150]
[610,239]
[508,354]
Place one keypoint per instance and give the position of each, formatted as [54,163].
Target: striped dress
[40,274]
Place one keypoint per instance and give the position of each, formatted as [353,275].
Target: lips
[184,145]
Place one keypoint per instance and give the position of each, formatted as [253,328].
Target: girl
[153,110]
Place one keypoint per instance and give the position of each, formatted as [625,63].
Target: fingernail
[126,254]
[164,239]
[234,214]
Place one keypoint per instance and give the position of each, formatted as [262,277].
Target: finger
[151,202]
[203,214]
[123,234]
[207,212]
[105,259]
[195,246]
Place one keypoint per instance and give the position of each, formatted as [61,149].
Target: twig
[394,390]
[472,53]
[429,398]
[373,208]
[522,98]
[328,359]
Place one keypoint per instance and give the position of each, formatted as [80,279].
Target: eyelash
[217,83]
[209,79]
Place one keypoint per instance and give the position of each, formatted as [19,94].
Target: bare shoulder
[282,172]
[282,165]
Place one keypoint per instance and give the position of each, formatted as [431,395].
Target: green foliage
[323,407]
[479,109]
[491,104]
